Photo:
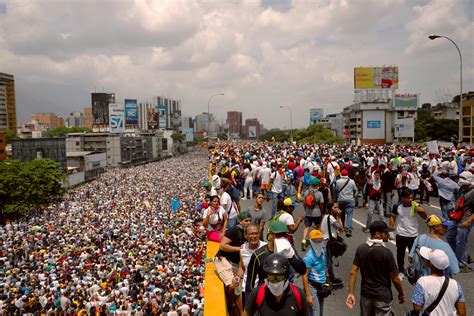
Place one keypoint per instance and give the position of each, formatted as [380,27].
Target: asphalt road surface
[335,305]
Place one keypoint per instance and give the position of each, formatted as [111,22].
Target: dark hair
[329,206]
[213,197]
[406,193]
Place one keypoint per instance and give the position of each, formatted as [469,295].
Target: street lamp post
[291,122]
[209,115]
[433,37]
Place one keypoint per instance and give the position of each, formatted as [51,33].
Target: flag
[358,141]
[62,258]
[458,164]
[112,275]
[175,205]
[125,270]
[199,254]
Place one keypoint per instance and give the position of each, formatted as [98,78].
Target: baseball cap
[207,184]
[434,220]
[438,257]
[289,202]
[316,235]
[344,172]
[244,215]
[378,226]
[278,227]
[315,181]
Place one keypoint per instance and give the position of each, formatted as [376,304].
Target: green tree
[198,138]
[10,135]
[278,135]
[177,137]
[63,130]
[316,133]
[428,128]
[27,185]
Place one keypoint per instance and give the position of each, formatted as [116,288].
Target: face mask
[277,288]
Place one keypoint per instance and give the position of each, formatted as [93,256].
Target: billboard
[373,125]
[315,115]
[162,114]
[152,118]
[116,118]
[176,119]
[375,77]
[406,101]
[252,131]
[189,134]
[405,127]
[131,112]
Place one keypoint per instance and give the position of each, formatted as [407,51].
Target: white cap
[438,257]
[283,246]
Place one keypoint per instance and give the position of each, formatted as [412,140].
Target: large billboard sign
[376,77]
[373,125]
[131,112]
[152,118]
[406,101]
[162,114]
[116,118]
[405,127]
[252,131]
[176,120]
[315,115]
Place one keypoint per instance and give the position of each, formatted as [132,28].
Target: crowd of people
[330,181]
[132,242]
[127,243]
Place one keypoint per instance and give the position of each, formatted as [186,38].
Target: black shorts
[310,220]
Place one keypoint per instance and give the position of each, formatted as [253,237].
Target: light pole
[433,37]
[291,121]
[209,115]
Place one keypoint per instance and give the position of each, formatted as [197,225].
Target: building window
[164,144]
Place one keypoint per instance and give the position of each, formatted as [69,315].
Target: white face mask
[277,288]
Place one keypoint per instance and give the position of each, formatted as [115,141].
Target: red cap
[344,172]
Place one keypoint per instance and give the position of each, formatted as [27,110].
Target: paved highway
[335,305]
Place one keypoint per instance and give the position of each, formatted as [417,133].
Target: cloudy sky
[261,54]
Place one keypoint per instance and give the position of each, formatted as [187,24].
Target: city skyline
[261,55]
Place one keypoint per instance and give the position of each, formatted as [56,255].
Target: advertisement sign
[152,118]
[373,123]
[131,112]
[252,131]
[375,77]
[116,118]
[315,115]
[162,115]
[405,127]
[432,147]
[188,133]
[406,101]
[176,119]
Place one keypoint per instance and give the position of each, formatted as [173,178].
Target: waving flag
[175,205]
[125,270]
[62,258]
[112,275]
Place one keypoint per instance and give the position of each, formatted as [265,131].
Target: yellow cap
[315,234]
[287,202]
[433,220]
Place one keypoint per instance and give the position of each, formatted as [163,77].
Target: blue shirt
[447,188]
[316,265]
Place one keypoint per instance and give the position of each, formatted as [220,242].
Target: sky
[262,55]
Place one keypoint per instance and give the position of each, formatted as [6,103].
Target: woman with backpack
[333,217]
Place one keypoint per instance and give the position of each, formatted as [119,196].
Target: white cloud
[260,54]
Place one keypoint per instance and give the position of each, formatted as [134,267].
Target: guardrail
[214,296]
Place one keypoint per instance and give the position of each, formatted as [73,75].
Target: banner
[162,116]
[433,147]
[406,101]
[375,77]
[131,112]
[252,131]
[116,118]
[152,118]
[405,127]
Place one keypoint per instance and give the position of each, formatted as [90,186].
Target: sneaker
[348,233]
[401,276]
[465,269]
[303,245]
[336,281]
[365,230]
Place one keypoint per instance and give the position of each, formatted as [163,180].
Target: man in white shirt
[405,216]
[229,206]
[276,190]
[428,288]
[264,176]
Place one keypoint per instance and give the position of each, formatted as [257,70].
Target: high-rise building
[88,117]
[49,120]
[100,110]
[75,119]
[169,112]
[203,121]
[146,112]
[7,102]
[252,129]
[234,121]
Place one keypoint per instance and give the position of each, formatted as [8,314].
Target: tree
[25,186]
[10,135]
[277,135]
[222,136]
[198,138]
[63,130]
[428,128]
[177,137]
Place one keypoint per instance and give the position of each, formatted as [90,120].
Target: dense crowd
[115,245]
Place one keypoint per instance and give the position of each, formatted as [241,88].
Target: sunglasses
[276,277]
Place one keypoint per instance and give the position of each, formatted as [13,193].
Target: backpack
[310,200]
[293,289]
[273,220]
[415,269]
[458,212]
[307,179]
[337,169]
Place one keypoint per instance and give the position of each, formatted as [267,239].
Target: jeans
[275,197]
[347,208]
[445,206]
[374,205]
[317,308]
[457,238]
[402,244]
[374,307]
[231,222]
[329,266]
[387,202]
